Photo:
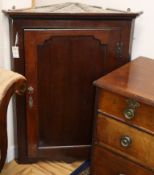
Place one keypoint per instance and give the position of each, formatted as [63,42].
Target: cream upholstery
[10,82]
[7,79]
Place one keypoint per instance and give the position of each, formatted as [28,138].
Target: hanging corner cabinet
[61,53]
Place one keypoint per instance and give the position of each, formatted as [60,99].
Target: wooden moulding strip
[33,3]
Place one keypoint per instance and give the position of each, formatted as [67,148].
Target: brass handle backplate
[125,141]
[132,103]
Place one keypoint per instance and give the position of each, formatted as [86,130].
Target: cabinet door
[61,65]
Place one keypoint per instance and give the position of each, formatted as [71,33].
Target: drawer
[116,105]
[128,141]
[107,163]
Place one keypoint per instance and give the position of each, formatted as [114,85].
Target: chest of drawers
[123,141]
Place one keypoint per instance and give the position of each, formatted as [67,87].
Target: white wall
[1,37]
[143,36]
[144,27]
[7,4]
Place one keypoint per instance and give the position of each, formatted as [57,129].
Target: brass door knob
[125,141]
[129,113]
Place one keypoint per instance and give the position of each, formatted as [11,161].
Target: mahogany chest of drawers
[123,141]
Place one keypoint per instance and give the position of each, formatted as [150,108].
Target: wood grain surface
[110,132]
[133,80]
[40,168]
[124,130]
[113,164]
[114,105]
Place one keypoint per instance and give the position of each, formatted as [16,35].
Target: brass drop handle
[30,98]
[125,141]
[129,113]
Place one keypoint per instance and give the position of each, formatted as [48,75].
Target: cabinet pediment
[74,9]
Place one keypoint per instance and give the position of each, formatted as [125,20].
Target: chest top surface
[134,80]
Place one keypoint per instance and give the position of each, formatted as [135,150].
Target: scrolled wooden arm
[10,83]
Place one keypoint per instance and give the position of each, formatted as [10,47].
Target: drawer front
[126,140]
[107,163]
[119,107]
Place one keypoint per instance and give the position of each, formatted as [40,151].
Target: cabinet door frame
[32,37]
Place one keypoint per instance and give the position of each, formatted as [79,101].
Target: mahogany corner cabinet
[61,49]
